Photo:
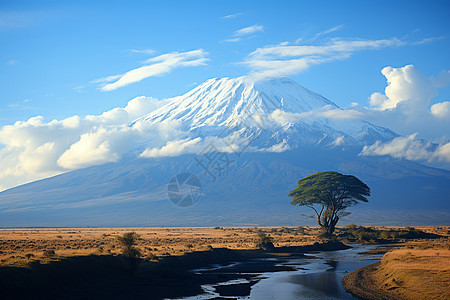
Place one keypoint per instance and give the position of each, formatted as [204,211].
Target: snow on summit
[219,101]
[279,110]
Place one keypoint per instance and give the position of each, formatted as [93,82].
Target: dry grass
[20,246]
[417,273]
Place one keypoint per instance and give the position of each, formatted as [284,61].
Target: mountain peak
[220,101]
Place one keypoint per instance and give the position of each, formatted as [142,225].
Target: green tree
[329,193]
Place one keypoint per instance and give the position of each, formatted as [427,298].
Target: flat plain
[19,247]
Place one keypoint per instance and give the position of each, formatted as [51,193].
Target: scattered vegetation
[155,243]
[370,234]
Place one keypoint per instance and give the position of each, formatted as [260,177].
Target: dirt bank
[404,274]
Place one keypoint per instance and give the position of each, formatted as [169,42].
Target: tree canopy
[329,193]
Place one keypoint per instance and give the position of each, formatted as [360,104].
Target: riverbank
[114,277]
[416,271]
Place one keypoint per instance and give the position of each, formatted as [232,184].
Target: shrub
[264,241]
[128,240]
[49,253]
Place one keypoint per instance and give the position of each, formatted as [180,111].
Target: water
[322,278]
[319,278]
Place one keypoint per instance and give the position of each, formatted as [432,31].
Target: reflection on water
[322,278]
[319,278]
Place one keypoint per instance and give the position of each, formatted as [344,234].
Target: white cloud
[327,112]
[404,84]
[325,32]
[232,16]
[248,30]
[174,148]
[145,51]
[281,60]
[338,141]
[157,66]
[277,148]
[441,110]
[35,149]
[99,146]
[106,79]
[409,148]
[233,40]
[408,97]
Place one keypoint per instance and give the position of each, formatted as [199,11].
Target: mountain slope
[289,132]
[280,109]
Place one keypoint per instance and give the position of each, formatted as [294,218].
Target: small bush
[128,240]
[264,241]
[49,253]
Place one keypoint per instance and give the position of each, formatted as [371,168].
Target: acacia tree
[329,193]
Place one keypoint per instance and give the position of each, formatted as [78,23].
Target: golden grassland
[19,247]
[416,270]
[417,273]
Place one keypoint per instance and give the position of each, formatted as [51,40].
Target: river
[318,277]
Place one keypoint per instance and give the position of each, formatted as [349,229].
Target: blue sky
[52,51]
[54,54]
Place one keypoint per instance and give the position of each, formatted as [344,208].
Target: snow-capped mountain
[223,101]
[278,109]
[285,132]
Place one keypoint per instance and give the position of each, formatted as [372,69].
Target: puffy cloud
[404,84]
[441,110]
[174,148]
[98,147]
[283,59]
[36,149]
[408,97]
[157,66]
[409,148]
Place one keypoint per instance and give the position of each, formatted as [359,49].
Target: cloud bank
[36,149]
[410,148]
[407,106]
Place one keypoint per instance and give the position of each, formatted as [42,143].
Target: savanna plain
[416,263]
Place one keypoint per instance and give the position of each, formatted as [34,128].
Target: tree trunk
[329,227]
